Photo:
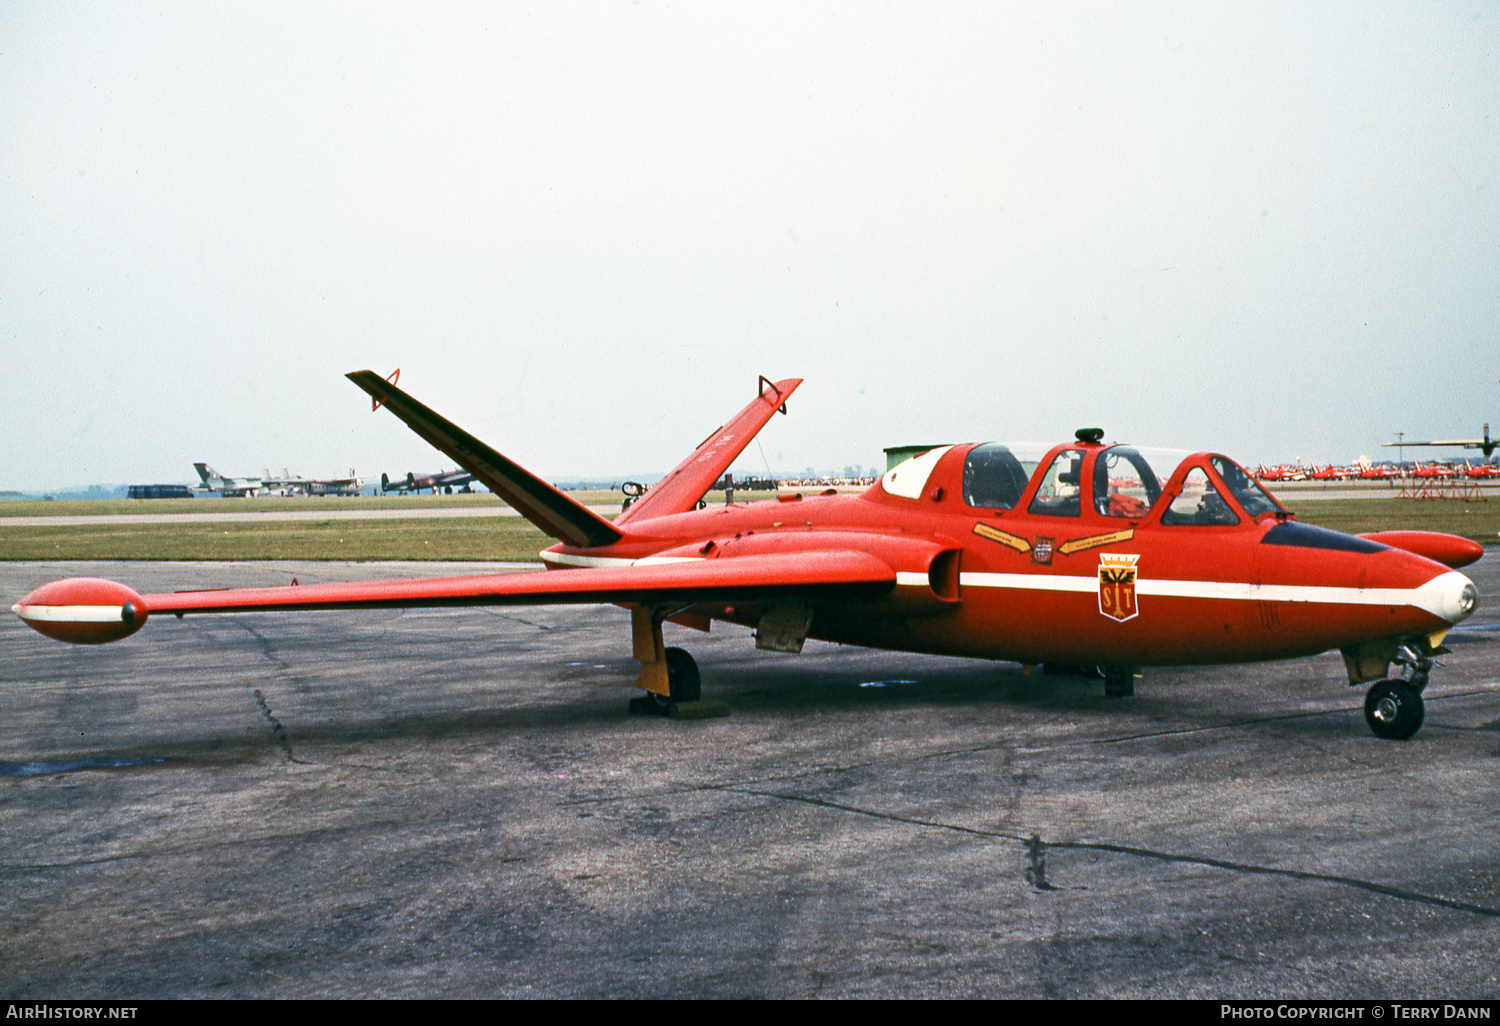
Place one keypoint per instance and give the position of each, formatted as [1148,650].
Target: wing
[92,611]
[680,490]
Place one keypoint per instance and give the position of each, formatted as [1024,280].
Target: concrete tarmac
[456,803]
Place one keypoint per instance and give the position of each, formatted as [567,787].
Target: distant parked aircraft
[288,485]
[213,481]
[266,484]
[444,482]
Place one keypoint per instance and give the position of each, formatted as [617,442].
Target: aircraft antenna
[769,475]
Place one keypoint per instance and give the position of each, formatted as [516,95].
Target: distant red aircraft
[1281,473]
[1083,555]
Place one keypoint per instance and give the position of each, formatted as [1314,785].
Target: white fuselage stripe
[1428,596]
[907,578]
[1435,596]
[1200,589]
[569,559]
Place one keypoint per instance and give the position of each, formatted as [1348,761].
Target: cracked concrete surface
[456,803]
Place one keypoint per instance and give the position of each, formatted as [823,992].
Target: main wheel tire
[683,678]
[683,681]
[1394,710]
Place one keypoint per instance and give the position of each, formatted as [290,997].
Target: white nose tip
[1451,596]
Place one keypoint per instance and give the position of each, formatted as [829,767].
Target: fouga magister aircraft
[1087,554]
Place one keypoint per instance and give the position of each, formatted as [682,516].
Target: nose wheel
[1393,709]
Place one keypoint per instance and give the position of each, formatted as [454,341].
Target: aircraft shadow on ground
[748,686]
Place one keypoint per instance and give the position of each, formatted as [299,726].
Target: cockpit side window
[993,477]
[1255,499]
[1124,484]
[1199,503]
[1059,494]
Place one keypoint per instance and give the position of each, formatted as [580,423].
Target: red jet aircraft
[1082,556]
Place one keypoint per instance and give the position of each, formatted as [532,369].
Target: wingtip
[83,611]
[374,385]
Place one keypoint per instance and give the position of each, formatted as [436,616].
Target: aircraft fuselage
[1084,587]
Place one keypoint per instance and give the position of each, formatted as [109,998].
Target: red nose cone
[1447,549]
[83,610]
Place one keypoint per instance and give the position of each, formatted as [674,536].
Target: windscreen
[1246,490]
[1124,483]
[1059,493]
[1199,504]
[994,477]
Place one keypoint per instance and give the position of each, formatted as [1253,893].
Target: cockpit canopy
[1115,481]
[994,477]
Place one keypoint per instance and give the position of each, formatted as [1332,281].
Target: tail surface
[553,511]
[680,490]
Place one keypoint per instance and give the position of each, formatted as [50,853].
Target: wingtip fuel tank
[83,610]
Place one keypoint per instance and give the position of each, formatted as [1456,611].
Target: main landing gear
[683,700]
[1119,681]
[1393,708]
[669,676]
[684,682]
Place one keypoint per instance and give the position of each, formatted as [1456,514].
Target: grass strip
[1479,521]
[430,538]
[266,504]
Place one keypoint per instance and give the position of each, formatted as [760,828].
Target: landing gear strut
[1417,665]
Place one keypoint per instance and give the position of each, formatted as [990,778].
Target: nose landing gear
[1393,708]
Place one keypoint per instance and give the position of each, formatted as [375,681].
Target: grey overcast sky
[582,229]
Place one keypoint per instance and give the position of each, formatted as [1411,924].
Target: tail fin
[680,490]
[205,471]
[549,509]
